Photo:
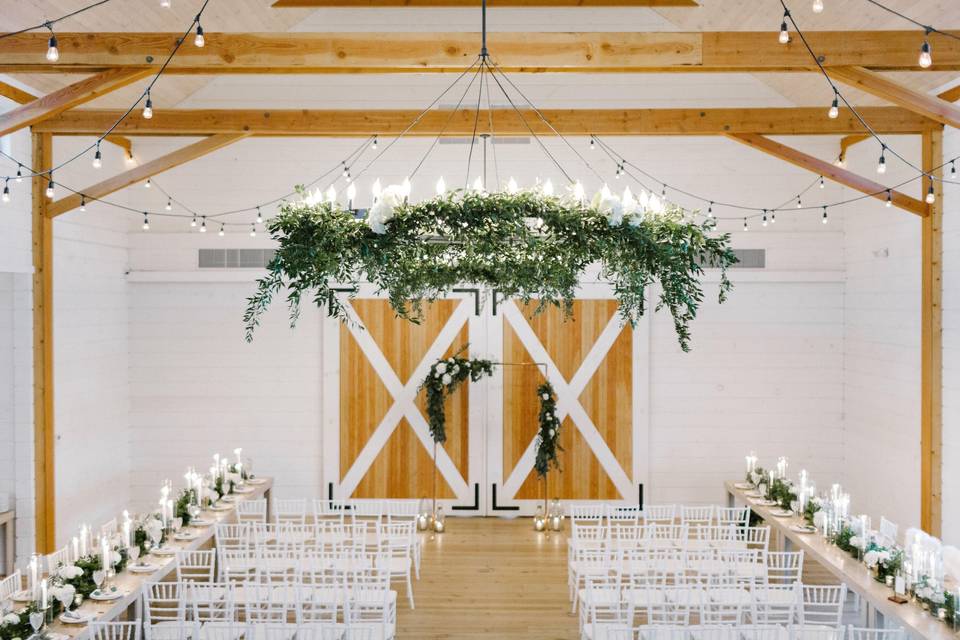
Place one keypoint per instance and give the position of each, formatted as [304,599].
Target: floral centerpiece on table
[811,509]
[148,529]
[181,508]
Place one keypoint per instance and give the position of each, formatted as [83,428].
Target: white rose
[385,208]
[635,220]
[442,367]
[545,396]
[456,368]
[883,556]
[552,433]
[871,558]
[446,378]
[11,618]
[854,541]
[65,594]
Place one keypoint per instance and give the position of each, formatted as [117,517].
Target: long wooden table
[881,611]
[131,584]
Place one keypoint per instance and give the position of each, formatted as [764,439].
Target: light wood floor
[493,579]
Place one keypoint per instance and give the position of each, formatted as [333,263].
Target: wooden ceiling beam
[506,122]
[394,52]
[829,170]
[887,89]
[364,4]
[142,172]
[23,97]
[67,98]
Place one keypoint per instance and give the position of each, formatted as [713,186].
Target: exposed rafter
[605,122]
[357,52]
[142,172]
[828,170]
[878,85]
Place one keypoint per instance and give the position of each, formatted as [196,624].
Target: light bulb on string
[147,184]
[764,220]
[198,40]
[841,161]
[260,214]
[53,53]
[253,231]
[346,170]
[165,4]
[222,232]
[953,170]
[799,203]
[710,210]
[203,224]
[824,218]
[834,111]
[441,187]
[882,163]
[129,159]
[50,191]
[148,107]
[745,227]
[926,58]
[373,145]
[83,203]
[593,143]
[931,195]
[146,222]
[97,158]
[773,217]
[889,202]
[193,223]
[784,34]
[823,185]
[6,190]
[169,205]
[19,177]
[817,6]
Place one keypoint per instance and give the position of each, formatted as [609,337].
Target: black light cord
[928,29]
[49,23]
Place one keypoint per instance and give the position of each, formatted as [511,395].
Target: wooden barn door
[377,442]
[597,367]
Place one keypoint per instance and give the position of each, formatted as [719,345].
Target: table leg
[268,496]
[731,503]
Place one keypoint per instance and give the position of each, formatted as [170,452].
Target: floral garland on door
[548,434]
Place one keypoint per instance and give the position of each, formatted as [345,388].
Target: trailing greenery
[526,245]
[548,434]
[810,511]
[444,378]
[782,492]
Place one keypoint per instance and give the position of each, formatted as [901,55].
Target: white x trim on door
[404,397]
[568,400]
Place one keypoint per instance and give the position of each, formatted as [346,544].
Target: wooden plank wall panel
[403,468]
[606,399]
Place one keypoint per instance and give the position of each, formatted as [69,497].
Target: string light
[147,184]
[53,53]
[931,195]
[253,231]
[198,40]
[146,222]
[19,177]
[784,34]
[346,171]
[834,106]
[710,210]
[926,59]
[50,192]
[221,233]
[773,217]
[193,223]
[203,225]
[97,158]
[259,215]
[169,205]
[165,4]
[373,145]
[83,204]
[799,203]
[889,202]
[824,218]
[148,107]
[817,6]
[882,163]
[593,143]
[764,223]
[822,183]
[953,170]
[6,190]
[745,227]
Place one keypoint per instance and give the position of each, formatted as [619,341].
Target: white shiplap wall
[951,349]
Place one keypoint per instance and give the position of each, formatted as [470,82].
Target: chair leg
[409,590]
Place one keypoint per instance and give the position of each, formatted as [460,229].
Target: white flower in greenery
[446,378]
[66,594]
[883,556]
[116,558]
[442,368]
[456,368]
[855,541]
[552,433]
[385,208]
[11,618]
[545,396]
[871,558]
[69,571]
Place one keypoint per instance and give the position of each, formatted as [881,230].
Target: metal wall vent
[234,258]
[748,259]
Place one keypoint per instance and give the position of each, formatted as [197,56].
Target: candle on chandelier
[76,548]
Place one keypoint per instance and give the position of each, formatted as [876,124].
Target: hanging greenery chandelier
[530,245]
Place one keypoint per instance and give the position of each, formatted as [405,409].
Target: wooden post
[43,437]
[931,359]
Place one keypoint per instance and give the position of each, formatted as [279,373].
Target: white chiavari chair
[703,536]
[777,604]
[275,631]
[195,565]
[235,565]
[700,515]
[666,536]
[296,535]
[625,514]
[164,612]
[725,604]
[319,602]
[329,510]
[807,632]
[366,510]
[254,510]
[667,613]
[10,585]
[268,603]
[861,633]
[232,535]
[223,630]
[660,514]
[822,609]
[109,528]
[407,511]
[369,605]
[765,632]
[715,631]
[748,567]
[277,564]
[626,534]
[264,533]
[657,632]
[703,561]
[57,558]
[643,588]
[784,567]
[586,563]
[587,514]
[733,516]
[290,510]
[210,602]
[395,556]
[114,630]
[744,538]
[601,607]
